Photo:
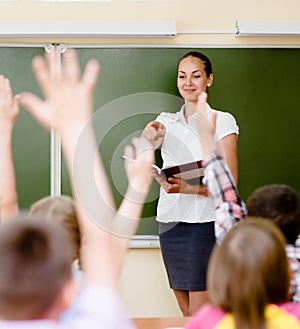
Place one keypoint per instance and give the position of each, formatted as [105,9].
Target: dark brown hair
[206,61]
[279,203]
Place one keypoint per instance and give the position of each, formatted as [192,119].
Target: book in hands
[191,172]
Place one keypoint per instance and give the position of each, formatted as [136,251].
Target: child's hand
[206,127]
[139,158]
[9,108]
[68,97]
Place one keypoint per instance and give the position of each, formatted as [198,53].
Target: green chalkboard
[259,86]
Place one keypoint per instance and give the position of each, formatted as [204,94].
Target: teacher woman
[184,212]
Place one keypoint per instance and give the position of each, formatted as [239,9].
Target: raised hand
[206,126]
[8,114]
[139,158]
[9,108]
[67,96]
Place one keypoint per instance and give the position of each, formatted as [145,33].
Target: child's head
[35,258]
[62,210]
[279,203]
[248,270]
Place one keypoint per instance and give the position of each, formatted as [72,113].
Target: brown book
[192,172]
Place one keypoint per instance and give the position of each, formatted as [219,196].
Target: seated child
[243,290]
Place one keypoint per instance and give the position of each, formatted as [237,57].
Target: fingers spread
[37,107]
[42,73]
[70,66]
[90,75]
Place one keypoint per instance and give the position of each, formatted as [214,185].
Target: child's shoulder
[207,317]
[292,308]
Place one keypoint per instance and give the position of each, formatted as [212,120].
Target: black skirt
[186,249]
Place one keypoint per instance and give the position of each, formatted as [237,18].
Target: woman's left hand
[177,185]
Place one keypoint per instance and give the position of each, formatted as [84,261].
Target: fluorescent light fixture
[267,27]
[87,28]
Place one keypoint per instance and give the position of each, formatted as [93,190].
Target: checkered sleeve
[219,183]
[293,254]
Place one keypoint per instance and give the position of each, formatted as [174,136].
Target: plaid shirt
[230,209]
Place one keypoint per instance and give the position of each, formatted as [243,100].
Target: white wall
[144,286]
[214,15]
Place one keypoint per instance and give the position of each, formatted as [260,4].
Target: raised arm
[67,108]
[228,149]
[139,157]
[218,179]
[8,113]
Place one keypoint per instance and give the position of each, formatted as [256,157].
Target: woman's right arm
[155,132]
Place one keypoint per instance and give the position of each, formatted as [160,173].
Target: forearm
[8,193]
[228,150]
[129,213]
[94,207]
[218,179]
[88,177]
[68,109]
[127,220]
